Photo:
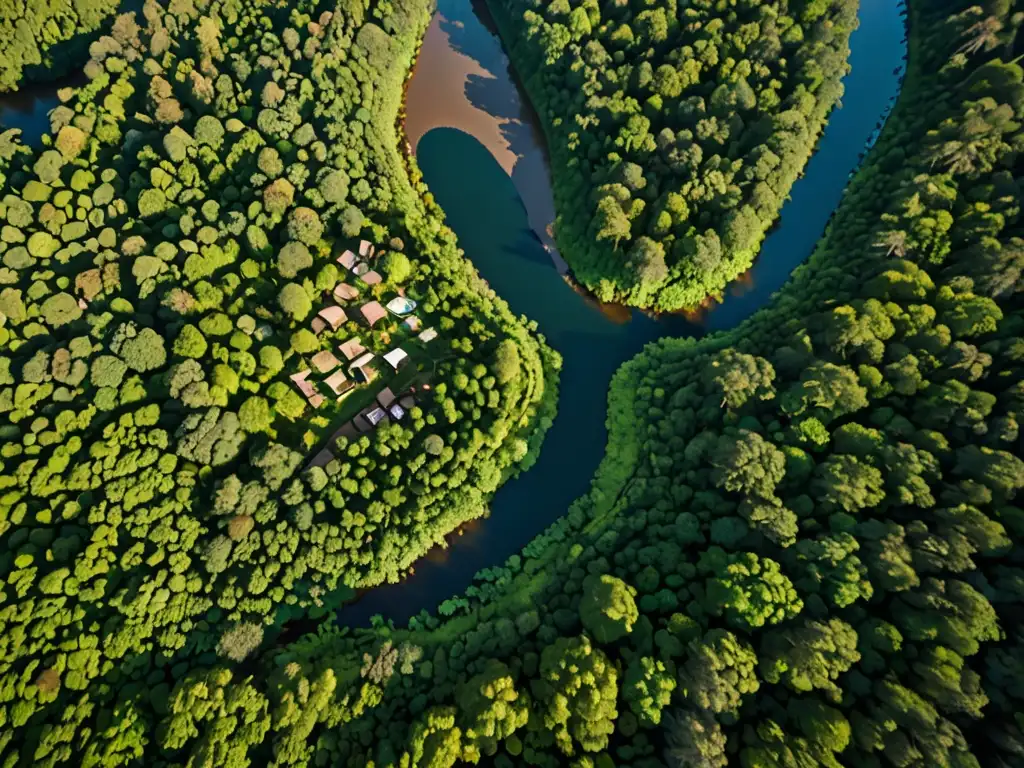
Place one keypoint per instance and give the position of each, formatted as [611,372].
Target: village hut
[385,397]
[396,358]
[333,316]
[362,367]
[352,348]
[339,383]
[373,313]
[347,260]
[344,292]
[372,278]
[325,361]
[302,383]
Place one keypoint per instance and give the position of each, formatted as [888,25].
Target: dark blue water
[28,109]
[484,208]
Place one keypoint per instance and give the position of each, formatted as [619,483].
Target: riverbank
[299,538]
[623,467]
[492,111]
[50,41]
[40,87]
[703,558]
[483,205]
[604,269]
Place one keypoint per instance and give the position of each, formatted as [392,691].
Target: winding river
[482,155]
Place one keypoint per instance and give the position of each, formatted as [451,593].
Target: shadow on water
[28,108]
[465,111]
[463,79]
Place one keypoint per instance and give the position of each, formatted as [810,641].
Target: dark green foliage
[577,688]
[607,608]
[676,131]
[159,513]
[41,40]
[803,550]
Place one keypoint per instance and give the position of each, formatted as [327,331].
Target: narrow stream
[482,156]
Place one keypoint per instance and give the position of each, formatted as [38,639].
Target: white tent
[396,358]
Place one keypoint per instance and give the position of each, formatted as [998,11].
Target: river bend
[482,155]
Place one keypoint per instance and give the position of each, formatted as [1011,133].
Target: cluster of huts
[387,406]
[337,373]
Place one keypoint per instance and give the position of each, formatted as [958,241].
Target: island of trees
[675,130]
[803,548]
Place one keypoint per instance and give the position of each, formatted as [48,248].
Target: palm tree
[957,156]
[982,35]
[894,241]
[976,142]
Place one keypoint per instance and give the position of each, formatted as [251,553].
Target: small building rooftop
[339,383]
[347,260]
[352,348]
[324,361]
[428,335]
[363,367]
[305,386]
[385,397]
[344,292]
[301,381]
[334,316]
[400,306]
[396,358]
[366,249]
[374,415]
[371,278]
[373,312]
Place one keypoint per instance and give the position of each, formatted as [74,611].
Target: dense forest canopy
[46,38]
[675,129]
[169,490]
[803,548]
